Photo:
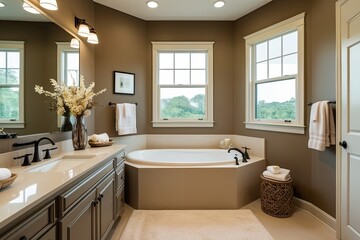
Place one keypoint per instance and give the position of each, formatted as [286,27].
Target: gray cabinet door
[106,205]
[79,223]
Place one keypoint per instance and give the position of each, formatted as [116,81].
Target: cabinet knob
[95,202]
[23,238]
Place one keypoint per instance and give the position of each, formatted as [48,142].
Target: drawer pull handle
[100,197]
[23,238]
[95,202]
[121,177]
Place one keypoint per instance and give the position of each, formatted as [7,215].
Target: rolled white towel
[103,137]
[284,175]
[273,169]
[4,173]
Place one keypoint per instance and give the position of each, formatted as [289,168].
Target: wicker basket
[276,197]
[7,182]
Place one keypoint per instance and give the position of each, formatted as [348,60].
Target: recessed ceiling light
[219,4]
[29,9]
[152,4]
[2,4]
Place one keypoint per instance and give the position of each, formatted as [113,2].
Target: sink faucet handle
[26,159]
[47,152]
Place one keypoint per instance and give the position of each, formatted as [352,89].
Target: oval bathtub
[182,157]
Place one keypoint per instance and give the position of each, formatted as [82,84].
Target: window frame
[18,46]
[295,23]
[158,47]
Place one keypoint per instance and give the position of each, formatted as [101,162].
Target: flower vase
[67,125]
[79,133]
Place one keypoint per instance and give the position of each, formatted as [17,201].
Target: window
[11,84]
[182,84]
[274,77]
[68,64]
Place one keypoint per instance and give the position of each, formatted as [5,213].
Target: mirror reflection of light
[25,194]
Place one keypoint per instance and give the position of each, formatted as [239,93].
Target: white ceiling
[185,10]
[13,11]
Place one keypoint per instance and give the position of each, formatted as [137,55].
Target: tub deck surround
[31,188]
[174,186]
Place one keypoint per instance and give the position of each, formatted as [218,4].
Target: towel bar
[332,102]
[111,103]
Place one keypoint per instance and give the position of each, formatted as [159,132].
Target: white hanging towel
[125,122]
[321,126]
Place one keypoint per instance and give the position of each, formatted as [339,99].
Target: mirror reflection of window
[68,64]
[11,84]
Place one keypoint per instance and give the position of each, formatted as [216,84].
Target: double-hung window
[182,84]
[275,77]
[68,64]
[11,84]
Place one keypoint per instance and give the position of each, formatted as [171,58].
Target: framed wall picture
[124,83]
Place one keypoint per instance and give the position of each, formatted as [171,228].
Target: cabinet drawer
[34,226]
[120,176]
[50,235]
[120,201]
[74,195]
[120,158]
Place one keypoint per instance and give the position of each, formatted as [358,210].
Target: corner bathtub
[182,157]
[190,179]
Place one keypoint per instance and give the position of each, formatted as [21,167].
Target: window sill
[182,124]
[12,125]
[297,129]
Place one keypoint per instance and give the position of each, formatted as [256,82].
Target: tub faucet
[36,157]
[241,152]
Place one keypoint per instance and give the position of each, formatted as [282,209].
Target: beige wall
[313,172]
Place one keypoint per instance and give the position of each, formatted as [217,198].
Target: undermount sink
[62,164]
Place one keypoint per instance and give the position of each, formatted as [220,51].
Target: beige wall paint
[122,48]
[313,172]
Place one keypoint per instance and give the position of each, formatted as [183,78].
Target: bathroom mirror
[47,54]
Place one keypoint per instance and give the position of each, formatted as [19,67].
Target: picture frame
[124,83]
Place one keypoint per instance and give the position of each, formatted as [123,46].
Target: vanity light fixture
[85,30]
[49,4]
[92,38]
[75,43]
[29,8]
[219,4]
[152,4]
[2,4]
[82,26]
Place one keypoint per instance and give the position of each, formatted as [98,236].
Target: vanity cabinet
[39,225]
[90,216]
[119,164]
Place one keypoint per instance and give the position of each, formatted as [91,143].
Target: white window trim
[17,45]
[173,46]
[295,23]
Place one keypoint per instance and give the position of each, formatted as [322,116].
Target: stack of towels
[4,173]
[276,173]
[101,138]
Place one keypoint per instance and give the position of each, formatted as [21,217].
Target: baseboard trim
[316,212]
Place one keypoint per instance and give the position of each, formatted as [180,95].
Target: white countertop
[31,188]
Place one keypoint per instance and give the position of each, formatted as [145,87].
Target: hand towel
[284,175]
[103,137]
[319,126]
[4,173]
[125,123]
[332,130]
[273,169]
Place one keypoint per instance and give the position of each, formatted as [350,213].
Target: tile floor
[301,225]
